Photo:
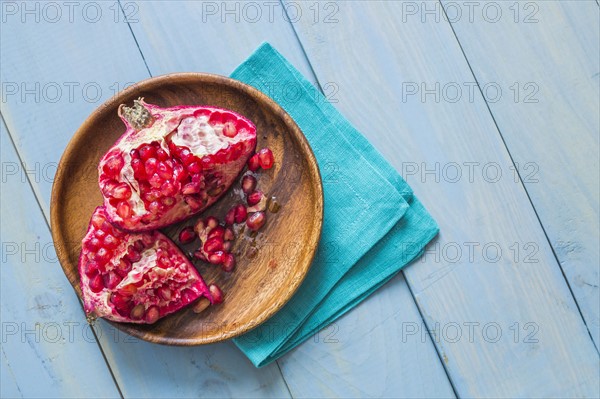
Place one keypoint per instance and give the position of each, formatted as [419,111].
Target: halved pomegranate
[172,163]
[134,277]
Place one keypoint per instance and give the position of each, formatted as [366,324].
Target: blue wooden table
[490,111]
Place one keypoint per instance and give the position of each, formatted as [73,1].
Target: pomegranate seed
[165,293]
[119,301]
[168,201]
[147,151]
[164,262]
[187,296]
[193,202]
[100,234]
[228,263]
[122,191]
[256,220]
[97,221]
[228,235]
[190,188]
[110,241]
[137,312]
[180,173]
[141,244]
[254,163]
[161,155]
[128,290]
[254,197]
[227,246]
[102,256]
[213,244]
[168,189]
[216,232]
[212,222]
[165,171]
[187,235]
[114,165]
[93,244]
[152,314]
[230,217]
[124,210]
[201,305]
[240,213]
[151,165]
[133,255]
[216,293]
[207,162]
[248,184]
[96,283]
[90,269]
[200,255]
[135,154]
[194,167]
[265,158]
[199,226]
[216,258]
[111,280]
[155,181]
[229,129]
[152,195]
[154,207]
[108,187]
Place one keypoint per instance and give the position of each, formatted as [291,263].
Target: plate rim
[148,85]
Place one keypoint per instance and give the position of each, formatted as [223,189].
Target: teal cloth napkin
[373,224]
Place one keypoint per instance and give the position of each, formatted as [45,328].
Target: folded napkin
[373,224]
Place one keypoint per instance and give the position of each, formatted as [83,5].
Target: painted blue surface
[369,59]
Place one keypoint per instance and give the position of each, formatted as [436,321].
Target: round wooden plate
[270,266]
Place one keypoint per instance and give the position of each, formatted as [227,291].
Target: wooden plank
[101,55]
[47,349]
[470,303]
[544,55]
[412,367]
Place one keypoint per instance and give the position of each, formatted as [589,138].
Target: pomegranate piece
[172,163]
[134,277]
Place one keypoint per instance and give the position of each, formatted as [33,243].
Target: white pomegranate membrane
[172,163]
[135,277]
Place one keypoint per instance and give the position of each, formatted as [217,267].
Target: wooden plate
[264,279]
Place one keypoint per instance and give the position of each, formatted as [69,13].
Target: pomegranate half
[134,277]
[172,163]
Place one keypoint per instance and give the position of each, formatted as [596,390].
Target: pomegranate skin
[139,278]
[172,163]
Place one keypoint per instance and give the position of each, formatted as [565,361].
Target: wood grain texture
[264,280]
[490,294]
[412,367]
[44,333]
[102,54]
[547,64]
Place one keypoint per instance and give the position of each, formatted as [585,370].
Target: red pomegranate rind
[172,163]
[134,277]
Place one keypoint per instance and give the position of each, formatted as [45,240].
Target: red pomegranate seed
[200,255]
[147,151]
[216,293]
[228,263]
[256,220]
[114,165]
[193,201]
[133,255]
[254,163]
[90,269]
[227,246]
[154,207]
[161,155]
[190,188]
[164,170]
[194,167]
[248,184]
[93,244]
[152,314]
[150,166]
[229,129]
[137,312]
[230,217]
[180,173]
[110,241]
[135,154]
[216,258]
[187,235]
[254,197]
[240,213]
[111,280]
[155,180]
[168,189]
[265,158]
[165,293]
[102,256]
[228,235]
[97,221]
[96,283]
[124,209]
[211,222]
[213,244]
